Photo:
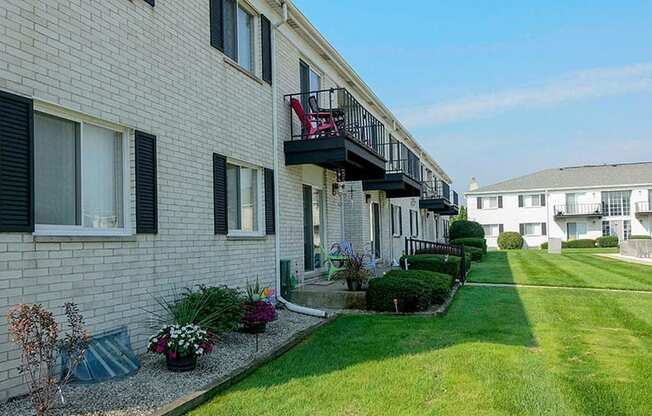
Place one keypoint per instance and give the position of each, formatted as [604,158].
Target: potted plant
[181,345]
[258,310]
[357,267]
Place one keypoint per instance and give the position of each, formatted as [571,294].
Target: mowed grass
[499,351]
[574,267]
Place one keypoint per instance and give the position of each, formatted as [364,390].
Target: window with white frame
[244,198]
[397,220]
[79,174]
[616,203]
[576,230]
[489,202]
[491,230]
[238,33]
[531,228]
[533,201]
[414,223]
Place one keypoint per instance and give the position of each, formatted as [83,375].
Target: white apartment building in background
[569,203]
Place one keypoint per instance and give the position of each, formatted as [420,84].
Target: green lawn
[574,267]
[499,351]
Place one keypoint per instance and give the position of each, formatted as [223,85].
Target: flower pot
[181,364]
[354,285]
[255,327]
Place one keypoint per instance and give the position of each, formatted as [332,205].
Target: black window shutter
[479,202]
[500,202]
[393,219]
[400,220]
[150,2]
[217,24]
[146,192]
[543,229]
[270,209]
[520,201]
[16,163]
[219,194]
[501,228]
[266,41]
[521,229]
[543,200]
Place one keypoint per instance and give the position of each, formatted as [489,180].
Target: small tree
[462,215]
[35,330]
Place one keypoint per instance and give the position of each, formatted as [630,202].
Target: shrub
[544,246]
[607,241]
[217,309]
[412,294]
[474,253]
[465,229]
[640,237]
[583,243]
[471,241]
[440,283]
[435,263]
[510,240]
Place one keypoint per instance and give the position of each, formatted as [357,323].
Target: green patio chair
[335,263]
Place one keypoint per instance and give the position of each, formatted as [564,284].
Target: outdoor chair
[314,124]
[335,260]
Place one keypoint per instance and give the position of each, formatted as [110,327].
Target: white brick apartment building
[143,146]
[568,203]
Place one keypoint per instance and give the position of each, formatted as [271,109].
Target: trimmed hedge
[510,240]
[465,229]
[607,241]
[640,237]
[583,243]
[474,252]
[435,263]
[544,246]
[440,283]
[471,241]
[412,294]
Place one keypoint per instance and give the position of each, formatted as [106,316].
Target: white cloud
[592,83]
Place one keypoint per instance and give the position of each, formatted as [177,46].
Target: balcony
[437,197]
[578,210]
[643,209]
[331,129]
[402,172]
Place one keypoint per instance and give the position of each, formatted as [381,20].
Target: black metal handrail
[340,107]
[414,246]
[436,188]
[643,207]
[400,159]
[578,209]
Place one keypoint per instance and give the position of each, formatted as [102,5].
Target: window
[616,203]
[606,229]
[491,230]
[232,31]
[397,221]
[78,176]
[533,228]
[532,201]
[317,211]
[576,230]
[414,223]
[243,187]
[627,229]
[309,81]
[488,202]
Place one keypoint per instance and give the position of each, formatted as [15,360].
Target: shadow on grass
[494,267]
[478,315]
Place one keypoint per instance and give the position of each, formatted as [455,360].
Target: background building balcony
[643,208]
[402,172]
[578,210]
[437,197]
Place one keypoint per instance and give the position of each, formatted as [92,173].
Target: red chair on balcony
[314,125]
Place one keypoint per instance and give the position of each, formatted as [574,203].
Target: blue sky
[498,89]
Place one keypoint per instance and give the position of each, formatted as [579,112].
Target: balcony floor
[441,206]
[340,152]
[395,185]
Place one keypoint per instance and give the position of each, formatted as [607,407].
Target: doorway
[375,229]
[313,211]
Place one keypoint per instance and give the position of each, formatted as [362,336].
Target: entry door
[616,228]
[375,228]
[308,244]
[571,230]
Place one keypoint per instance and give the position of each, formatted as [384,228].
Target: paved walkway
[595,289]
[628,259]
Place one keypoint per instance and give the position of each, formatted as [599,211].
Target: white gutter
[277,235]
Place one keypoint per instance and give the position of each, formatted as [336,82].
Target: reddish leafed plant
[36,332]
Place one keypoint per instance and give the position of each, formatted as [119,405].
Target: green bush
[583,243]
[510,240]
[209,300]
[607,241]
[412,294]
[473,252]
[544,246]
[465,229]
[640,237]
[435,263]
[440,283]
[473,242]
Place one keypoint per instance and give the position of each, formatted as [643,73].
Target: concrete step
[328,296]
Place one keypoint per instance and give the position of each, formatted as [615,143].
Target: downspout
[277,235]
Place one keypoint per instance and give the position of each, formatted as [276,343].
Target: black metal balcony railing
[436,188]
[456,199]
[334,112]
[643,207]
[400,159]
[578,209]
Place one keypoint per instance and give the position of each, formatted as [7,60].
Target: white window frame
[78,230]
[580,236]
[252,44]
[491,227]
[259,197]
[535,224]
[397,226]
[485,199]
[530,196]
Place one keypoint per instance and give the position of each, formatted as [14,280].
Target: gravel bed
[154,386]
